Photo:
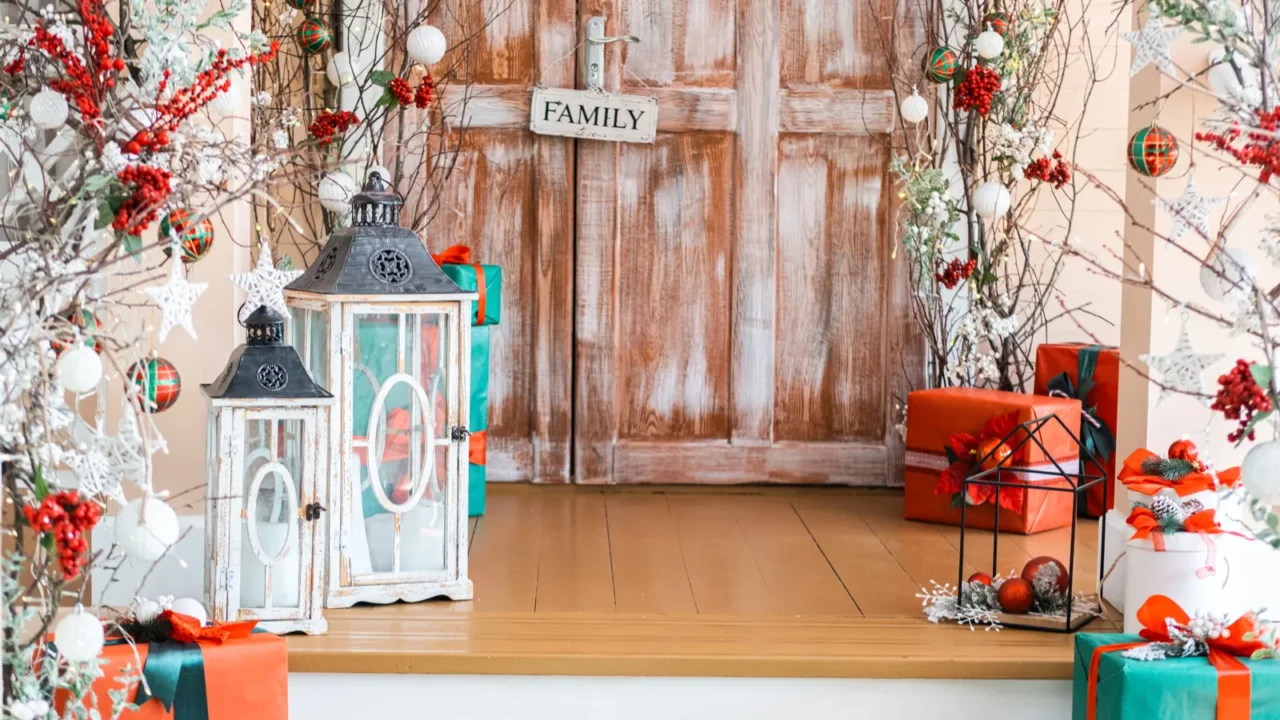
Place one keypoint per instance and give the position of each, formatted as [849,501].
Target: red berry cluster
[69,519]
[150,189]
[328,125]
[974,93]
[1239,398]
[425,93]
[1058,174]
[402,91]
[17,65]
[1261,148]
[955,272]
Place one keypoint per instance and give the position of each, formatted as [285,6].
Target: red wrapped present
[1090,374]
[214,673]
[953,432]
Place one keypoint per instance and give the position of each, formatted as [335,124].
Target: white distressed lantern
[386,331]
[268,453]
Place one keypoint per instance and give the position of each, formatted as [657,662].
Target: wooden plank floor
[749,582]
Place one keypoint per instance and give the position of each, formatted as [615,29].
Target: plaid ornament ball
[86,322]
[313,36]
[196,236]
[158,383]
[1153,151]
[941,64]
[998,22]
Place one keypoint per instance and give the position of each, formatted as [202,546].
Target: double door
[722,306]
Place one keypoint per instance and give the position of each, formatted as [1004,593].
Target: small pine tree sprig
[1168,468]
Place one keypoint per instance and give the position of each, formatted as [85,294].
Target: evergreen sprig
[1170,469]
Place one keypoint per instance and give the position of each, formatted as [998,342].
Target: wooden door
[740,316]
[511,200]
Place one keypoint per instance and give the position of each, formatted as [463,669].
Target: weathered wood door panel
[511,200]
[740,316]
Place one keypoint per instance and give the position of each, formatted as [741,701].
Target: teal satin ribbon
[174,673]
[1095,436]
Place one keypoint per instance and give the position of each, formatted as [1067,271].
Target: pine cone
[1191,507]
[1167,510]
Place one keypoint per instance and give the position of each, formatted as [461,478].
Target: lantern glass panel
[309,335]
[401,437]
[270,536]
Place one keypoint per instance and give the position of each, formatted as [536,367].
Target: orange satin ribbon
[1233,676]
[461,255]
[1145,526]
[476,451]
[188,629]
[1134,479]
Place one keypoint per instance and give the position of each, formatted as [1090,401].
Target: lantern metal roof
[374,256]
[264,367]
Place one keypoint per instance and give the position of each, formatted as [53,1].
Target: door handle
[593,68]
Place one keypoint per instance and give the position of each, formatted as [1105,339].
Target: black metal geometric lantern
[267,452]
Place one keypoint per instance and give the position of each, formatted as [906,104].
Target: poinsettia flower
[964,444]
[951,479]
[1000,426]
[1011,498]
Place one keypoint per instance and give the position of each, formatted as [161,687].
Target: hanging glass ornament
[78,370]
[313,35]
[991,200]
[1153,151]
[989,44]
[300,4]
[158,383]
[998,21]
[426,44]
[146,528]
[941,64]
[335,192]
[915,108]
[196,236]
[48,109]
[79,636]
[88,325]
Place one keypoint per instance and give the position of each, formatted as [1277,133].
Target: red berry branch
[1057,174]
[328,125]
[68,519]
[976,90]
[401,91]
[150,189]
[1239,398]
[955,272]
[425,93]
[1260,149]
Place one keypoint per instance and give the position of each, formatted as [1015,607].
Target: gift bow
[1233,676]
[1204,523]
[174,669]
[461,255]
[1134,479]
[1095,436]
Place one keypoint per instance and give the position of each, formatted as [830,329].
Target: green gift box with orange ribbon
[480,337]
[1223,684]
[484,280]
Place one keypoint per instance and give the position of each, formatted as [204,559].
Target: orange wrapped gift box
[1101,394]
[244,679]
[935,416]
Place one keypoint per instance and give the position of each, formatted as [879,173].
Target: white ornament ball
[190,606]
[1229,274]
[78,369]
[146,535]
[989,44]
[426,44]
[382,170]
[1260,472]
[915,108]
[79,636]
[146,610]
[340,70]
[335,192]
[48,109]
[991,200]
[226,102]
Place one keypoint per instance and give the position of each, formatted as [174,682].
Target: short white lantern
[991,200]
[427,45]
[1228,274]
[915,108]
[340,69]
[268,453]
[989,44]
[387,332]
[335,192]
[48,109]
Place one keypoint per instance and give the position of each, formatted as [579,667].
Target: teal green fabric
[475,490]
[1179,689]
[464,276]
[175,675]
[479,411]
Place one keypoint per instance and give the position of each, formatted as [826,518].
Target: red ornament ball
[1184,450]
[992,452]
[1034,566]
[158,383]
[981,577]
[1016,596]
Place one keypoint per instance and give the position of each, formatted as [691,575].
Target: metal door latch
[311,512]
[595,42]
[460,433]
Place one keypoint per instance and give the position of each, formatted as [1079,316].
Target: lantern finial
[264,327]
[377,204]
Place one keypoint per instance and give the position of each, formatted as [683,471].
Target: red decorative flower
[975,92]
[1240,398]
[401,91]
[969,451]
[68,518]
[328,125]
[1058,174]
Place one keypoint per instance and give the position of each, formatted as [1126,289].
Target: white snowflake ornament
[1181,370]
[266,284]
[175,299]
[1190,210]
[1151,45]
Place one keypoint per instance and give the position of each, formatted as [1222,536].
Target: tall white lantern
[386,331]
[268,486]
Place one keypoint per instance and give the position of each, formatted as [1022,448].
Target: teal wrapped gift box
[1175,689]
